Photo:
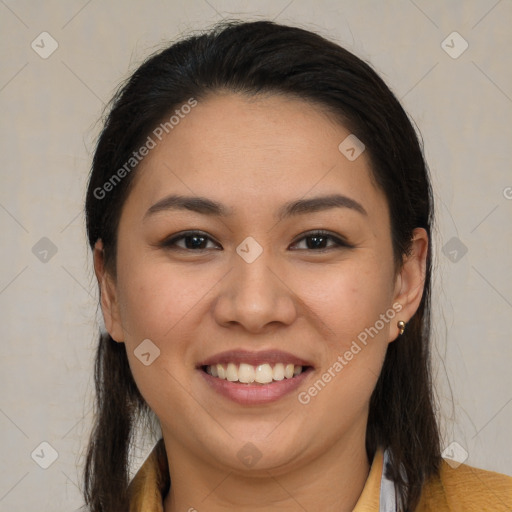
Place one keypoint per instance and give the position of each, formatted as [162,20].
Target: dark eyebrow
[193,203]
[318,204]
[207,206]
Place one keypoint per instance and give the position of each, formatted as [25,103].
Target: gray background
[50,117]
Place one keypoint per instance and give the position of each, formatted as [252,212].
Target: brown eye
[197,241]
[192,240]
[317,240]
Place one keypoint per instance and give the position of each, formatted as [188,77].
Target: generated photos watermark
[344,359]
[151,142]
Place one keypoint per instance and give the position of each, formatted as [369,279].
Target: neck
[331,482]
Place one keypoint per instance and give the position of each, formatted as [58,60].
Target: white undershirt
[387,501]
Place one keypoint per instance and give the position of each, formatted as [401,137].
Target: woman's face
[256,288]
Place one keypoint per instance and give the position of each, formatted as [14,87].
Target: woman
[260,216]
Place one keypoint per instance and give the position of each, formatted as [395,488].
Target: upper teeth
[246,373]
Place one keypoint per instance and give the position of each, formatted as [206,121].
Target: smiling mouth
[244,373]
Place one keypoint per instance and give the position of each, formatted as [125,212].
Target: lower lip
[255,394]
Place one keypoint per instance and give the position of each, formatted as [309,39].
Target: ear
[410,281]
[108,295]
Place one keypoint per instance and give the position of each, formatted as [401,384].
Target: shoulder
[466,488]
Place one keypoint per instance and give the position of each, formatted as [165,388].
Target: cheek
[155,299]
[349,298]
[354,304]
[351,305]
[155,305]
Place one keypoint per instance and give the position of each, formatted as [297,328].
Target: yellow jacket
[454,490]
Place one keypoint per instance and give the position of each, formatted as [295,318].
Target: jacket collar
[150,485]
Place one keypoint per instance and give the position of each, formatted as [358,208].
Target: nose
[255,295]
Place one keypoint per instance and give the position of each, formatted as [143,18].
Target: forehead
[253,149]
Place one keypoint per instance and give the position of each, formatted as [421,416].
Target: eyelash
[170,243]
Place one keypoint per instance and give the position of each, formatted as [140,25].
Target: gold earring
[401,326]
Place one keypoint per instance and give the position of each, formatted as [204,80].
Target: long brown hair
[265,57]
